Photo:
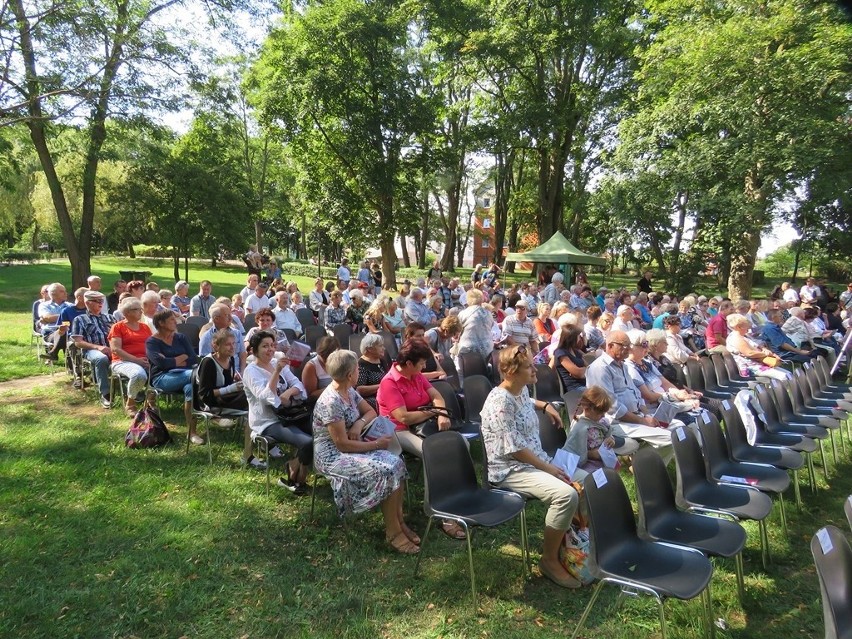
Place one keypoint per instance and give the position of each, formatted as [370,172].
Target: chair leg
[525,547]
[811,471]
[469,559]
[313,495]
[764,544]
[738,564]
[663,617]
[824,462]
[589,606]
[209,443]
[709,626]
[833,446]
[422,545]
[796,490]
[783,512]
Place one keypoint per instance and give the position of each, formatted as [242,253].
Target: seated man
[284,315]
[258,300]
[417,311]
[779,343]
[48,317]
[201,303]
[89,333]
[249,288]
[118,288]
[220,317]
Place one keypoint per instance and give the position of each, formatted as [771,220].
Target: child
[591,430]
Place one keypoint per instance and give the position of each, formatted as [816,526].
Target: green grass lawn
[100,541]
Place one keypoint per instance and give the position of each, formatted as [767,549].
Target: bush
[151,250]
[306,270]
[11,255]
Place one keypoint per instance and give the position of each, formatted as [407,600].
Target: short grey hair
[340,364]
[636,336]
[371,340]
[557,277]
[655,336]
[218,309]
[181,284]
[149,297]
[128,302]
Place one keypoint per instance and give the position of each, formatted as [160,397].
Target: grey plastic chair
[833,561]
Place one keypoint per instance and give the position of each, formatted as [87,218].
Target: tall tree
[334,80]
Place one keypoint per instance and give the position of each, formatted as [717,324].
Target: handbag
[147,430]
[771,361]
[293,413]
[574,554]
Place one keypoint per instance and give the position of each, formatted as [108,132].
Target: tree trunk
[744,249]
[463,238]
[403,243]
[176,262]
[258,235]
[674,272]
[513,243]
[503,183]
[131,252]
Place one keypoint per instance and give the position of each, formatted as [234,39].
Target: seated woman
[264,320]
[676,349]
[751,358]
[543,325]
[605,323]
[435,303]
[314,376]
[355,311]
[567,359]
[237,308]
[442,338]
[127,346]
[334,313]
[363,474]
[373,316]
[393,319]
[517,462]
[591,431]
[371,368]
[652,386]
[595,339]
[172,358]
[220,386]
[271,386]
[432,370]
[181,298]
[272,273]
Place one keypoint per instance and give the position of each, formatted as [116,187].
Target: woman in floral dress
[364,472]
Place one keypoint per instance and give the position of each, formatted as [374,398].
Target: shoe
[301,490]
[566,580]
[195,439]
[223,422]
[275,452]
[78,384]
[452,530]
[255,463]
[403,545]
[285,483]
[106,402]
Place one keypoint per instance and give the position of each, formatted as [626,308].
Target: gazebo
[557,250]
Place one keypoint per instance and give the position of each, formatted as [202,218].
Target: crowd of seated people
[620,349]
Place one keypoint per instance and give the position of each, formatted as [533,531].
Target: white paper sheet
[608,456]
[824,541]
[567,461]
[600,478]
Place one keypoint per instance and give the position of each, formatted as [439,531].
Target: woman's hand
[444,423]
[180,361]
[557,472]
[554,415]
[289,394]
[382,443]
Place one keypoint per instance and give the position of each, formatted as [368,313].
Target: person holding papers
[359,453]
[516,460]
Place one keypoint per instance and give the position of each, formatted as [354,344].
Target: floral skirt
[361,481]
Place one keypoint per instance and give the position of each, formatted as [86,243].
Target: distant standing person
[644,283]
[344,274]
[434,273]
[377,276]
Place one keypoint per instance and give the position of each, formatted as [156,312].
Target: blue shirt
[92,328]
[162,356]
[775,337]
[644,312]
[658,322]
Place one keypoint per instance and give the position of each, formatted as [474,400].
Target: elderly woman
[363,474]
[314,376]
[172,357]
[676,350]
[441,339]
[371,369]
[567,359]
[393,320]
[355,311]
[477,325]
[136,288]
[264,320]
[752,358]
[127,345]
[435,303]
[150,305]
[605,323]
[220,386]
[269,386]
[181,298]
[649,381]
[334,313]
[516,460]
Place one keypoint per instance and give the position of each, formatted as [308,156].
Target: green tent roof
[557,250]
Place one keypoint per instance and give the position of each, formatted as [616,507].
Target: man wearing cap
[518,328]
[89,332]
[253,303]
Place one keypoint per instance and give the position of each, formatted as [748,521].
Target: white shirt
[809,293]
[254,303]
[246,293]
[286,318]
[790,295]
[262,401]
[343,273]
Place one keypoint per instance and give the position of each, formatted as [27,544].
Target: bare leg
[393,531]
[412,536]
[190,418]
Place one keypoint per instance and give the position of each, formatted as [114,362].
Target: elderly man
[119,287]
[258,300]
[59,337]
[610,373]
[518,328]
[48,316]
[552,291]
[780,344]
[89,333]
[601,297]
[717,328]
[220,317]
[199,306]
[623,319]
[284,315]
[788,293]
[581,298]
[249,288]
[93,283]
[417,311]
[846,297]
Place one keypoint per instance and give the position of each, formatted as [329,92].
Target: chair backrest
[782,400]
[36,304]
[833,561]
[731,367]
[822,371]
[495,375]
[472,364]
[552,438]
[342,333]
[689,463]
[290,334]
[450,399]
[355,342]
[572,400]
[313,334]
[476,389]
[248,322]
[449,367]
[797,391]
[447,469]
[767,404]
[391,347]
[680,374]
[306,318]
[611,521]
[191,332]
[548,388]
[812,380]
[847,508]
[695,375]
[654,492]
[714,444]
[197,320]
[722,374]
[196,397]
[710,381]
[737,437]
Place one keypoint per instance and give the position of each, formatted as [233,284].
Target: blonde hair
[474,297]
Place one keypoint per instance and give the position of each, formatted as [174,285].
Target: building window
[486,223]
[486,242]
[486,202]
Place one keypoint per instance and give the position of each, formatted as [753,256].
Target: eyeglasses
[642,344]
[621,344]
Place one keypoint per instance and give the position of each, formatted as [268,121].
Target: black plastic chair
[724,377]
[696,492]
[695,375]
[661,520]
[732,370]
[354,343]
[622,558]
[825,374]
[209,419]
[391,346]
[723,469]
[820,389]
[191,332]
[453,380]
[313,335]
[810,412]
[197,320]
[740,450]
[472,364]
[552,438]
[476,390]
[290,334]
[834,570]
[306,318]
[469,429]
[248,322]
[711,382]
[548,387]
[342,332]
[452,492]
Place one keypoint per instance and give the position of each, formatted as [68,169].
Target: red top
[131,341]
[396,390]
[719,324]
